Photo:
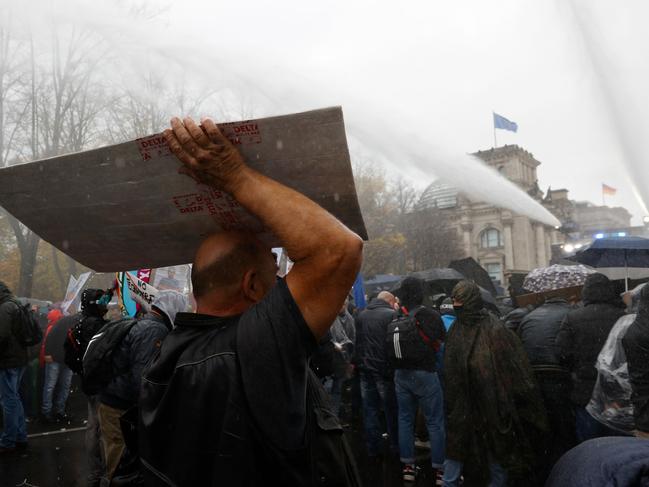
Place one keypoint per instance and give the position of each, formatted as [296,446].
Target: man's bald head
[222,262]
[388,297]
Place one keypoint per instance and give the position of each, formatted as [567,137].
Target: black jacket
[636,347]
[129,360]
[225,401]
[584,332]
[538,332]
[513,318]
[12,353]
[57,337]
[371,330]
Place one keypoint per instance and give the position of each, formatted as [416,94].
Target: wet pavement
[56,456]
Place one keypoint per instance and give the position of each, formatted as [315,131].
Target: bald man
[377,386]
[229,400]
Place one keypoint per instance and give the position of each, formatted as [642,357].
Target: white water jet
[620,73]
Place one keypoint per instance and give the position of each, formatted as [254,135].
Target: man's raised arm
[327,255]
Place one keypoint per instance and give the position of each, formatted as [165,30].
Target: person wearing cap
[132,355]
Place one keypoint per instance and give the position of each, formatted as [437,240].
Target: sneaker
[409,473]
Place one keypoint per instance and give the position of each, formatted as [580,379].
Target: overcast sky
[442,67]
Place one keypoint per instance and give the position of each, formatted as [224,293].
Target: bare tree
[431,239]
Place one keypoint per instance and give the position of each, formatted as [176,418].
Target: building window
[494,270]
[490,239]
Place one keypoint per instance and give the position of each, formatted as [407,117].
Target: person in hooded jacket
[13,360]
[538,332]
[130,358]
[580,339]
[90,321]
[495,414]
[636,347]
[377,382]
[58,376]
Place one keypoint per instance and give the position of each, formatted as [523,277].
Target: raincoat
[494,408]
[636,346]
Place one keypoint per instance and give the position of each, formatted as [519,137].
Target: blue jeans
[418,387]
[56,373]
[453,472]
[588,428]
[377,392]
[15,429]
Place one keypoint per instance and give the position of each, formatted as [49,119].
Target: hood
[468,293]
[4,290]
[599,289]
[411,292]
[53,316]
[378,303]
[170,303]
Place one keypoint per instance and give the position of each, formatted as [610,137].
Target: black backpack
[406,342]
[77,341]
[98,367]
[25,327]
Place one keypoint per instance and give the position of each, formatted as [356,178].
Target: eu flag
[501,122]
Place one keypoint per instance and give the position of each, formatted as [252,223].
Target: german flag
[608,190]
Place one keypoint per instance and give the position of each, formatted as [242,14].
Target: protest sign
[126,207]
[72,299]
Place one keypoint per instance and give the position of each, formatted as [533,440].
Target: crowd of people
[261,379]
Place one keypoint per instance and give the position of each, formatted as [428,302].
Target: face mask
[458,309]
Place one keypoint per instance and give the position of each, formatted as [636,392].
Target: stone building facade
[501,240]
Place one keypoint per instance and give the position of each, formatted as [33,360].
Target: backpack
[25,327]
[77,341]
[406,342]
[98,368]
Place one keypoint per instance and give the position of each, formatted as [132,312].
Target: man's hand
[207,156]
[48,359]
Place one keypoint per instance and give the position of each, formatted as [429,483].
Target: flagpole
[494,124]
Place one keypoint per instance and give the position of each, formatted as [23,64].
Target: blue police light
[621,234]
[599,235]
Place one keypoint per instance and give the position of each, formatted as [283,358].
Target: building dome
[438,195]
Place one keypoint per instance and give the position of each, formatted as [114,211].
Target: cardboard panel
[126,207]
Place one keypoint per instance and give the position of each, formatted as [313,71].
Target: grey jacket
[133,353]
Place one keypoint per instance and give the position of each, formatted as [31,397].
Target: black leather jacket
[538,332]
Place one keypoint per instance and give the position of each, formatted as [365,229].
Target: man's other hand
[207,155]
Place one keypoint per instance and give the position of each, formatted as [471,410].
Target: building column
[541,258]
[509,245]
[466,238]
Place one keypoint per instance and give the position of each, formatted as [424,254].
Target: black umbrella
[617,252]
